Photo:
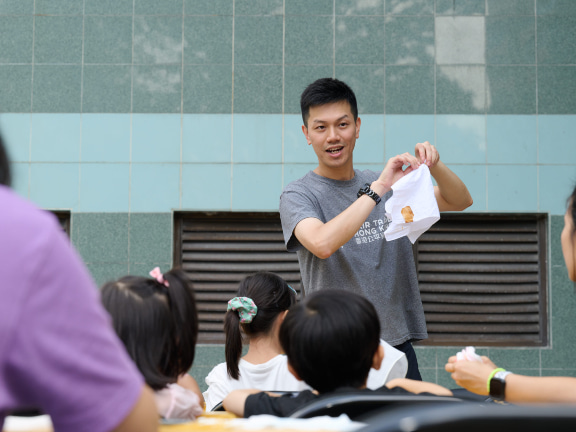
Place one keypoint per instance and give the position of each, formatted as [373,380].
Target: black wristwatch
[365,190]
[498,385]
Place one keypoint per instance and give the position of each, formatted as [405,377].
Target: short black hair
[324,91]
[158,324]
[5,175]
[330,339]
[572,208]
[272,295]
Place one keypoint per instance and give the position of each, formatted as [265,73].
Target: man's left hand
[427,154]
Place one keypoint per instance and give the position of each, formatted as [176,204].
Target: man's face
[332,132]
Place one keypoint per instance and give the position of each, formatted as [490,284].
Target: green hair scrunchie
[245,307]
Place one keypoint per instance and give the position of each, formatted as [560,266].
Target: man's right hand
[323,239]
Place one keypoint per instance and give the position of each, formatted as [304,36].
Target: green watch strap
[494,372]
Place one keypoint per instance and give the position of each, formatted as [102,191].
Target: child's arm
[527,389]
[419,386]
[236,400]
[188,382]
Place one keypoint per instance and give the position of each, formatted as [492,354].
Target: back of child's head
[157,321]
[261,297]
[330,339]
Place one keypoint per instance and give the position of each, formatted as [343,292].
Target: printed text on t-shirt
[371,231]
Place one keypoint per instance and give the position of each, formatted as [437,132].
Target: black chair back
[356,405]
[473,417]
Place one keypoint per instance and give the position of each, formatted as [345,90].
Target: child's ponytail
[180,294]
[233,348]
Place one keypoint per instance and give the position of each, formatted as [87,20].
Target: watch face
[497,386]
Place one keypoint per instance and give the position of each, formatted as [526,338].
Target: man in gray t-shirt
[334,219]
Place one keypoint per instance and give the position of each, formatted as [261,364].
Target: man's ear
[358,123]
[378,357]
[305,132]
[293,372]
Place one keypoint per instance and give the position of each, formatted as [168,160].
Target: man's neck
[341,174]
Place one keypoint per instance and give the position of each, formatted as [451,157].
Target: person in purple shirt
[58,351]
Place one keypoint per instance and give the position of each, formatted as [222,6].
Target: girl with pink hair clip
[157,320]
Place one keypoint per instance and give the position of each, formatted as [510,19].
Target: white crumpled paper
[416,191]
[468,353]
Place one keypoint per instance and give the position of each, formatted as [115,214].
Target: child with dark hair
[331,340]
[157,321]
[257,311]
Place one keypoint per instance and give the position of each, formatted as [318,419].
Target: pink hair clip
[157,274]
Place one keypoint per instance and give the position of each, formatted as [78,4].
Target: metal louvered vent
[483,279]
[217,250]
[482,276]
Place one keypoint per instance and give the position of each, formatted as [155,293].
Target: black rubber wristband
[365,190]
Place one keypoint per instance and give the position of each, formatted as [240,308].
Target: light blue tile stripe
[92,163]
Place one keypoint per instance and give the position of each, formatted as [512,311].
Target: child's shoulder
[218,372]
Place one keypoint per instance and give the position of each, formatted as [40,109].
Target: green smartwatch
[497,388]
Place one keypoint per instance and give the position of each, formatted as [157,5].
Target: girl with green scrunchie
[254,317]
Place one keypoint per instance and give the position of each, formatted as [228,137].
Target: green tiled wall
[116,244]
[421,57]
[126,110]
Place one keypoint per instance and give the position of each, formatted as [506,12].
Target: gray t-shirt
[383,271]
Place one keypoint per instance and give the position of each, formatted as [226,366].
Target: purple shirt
[58,351]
